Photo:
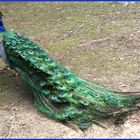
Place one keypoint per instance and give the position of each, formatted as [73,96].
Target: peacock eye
[33,59]
[65,114]
[61,86]
[42,83]
[25,53]
[54,97]
[38,53]
[46,58]
[18,51]
[25,46]
[62,94]
[79,110]
[31,52]
[56,72]
[95,94]
[86,103]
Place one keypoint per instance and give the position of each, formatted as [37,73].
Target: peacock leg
[14,72]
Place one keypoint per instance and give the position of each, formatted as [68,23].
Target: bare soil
[98,41]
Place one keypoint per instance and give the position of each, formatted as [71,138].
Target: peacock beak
[1,15]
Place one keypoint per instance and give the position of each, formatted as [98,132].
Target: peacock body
[58,92]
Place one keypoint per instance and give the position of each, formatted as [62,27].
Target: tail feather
[61,94]
[92,110]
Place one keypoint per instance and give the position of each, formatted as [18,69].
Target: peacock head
[2,28]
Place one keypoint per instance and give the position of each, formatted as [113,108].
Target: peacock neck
[2,28]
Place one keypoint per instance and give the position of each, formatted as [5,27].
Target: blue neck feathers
[2,28]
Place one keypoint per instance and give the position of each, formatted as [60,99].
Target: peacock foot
[3,70]
[14,72]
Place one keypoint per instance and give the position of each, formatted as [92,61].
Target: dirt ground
[98,41]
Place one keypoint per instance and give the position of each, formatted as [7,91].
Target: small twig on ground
[100,40]
[12,123]
[13,120]
[91,42]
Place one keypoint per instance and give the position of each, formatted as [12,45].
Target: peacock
[58,92]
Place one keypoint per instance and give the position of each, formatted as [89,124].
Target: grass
[66,29]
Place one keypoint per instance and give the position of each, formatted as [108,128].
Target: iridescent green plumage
[59,92]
